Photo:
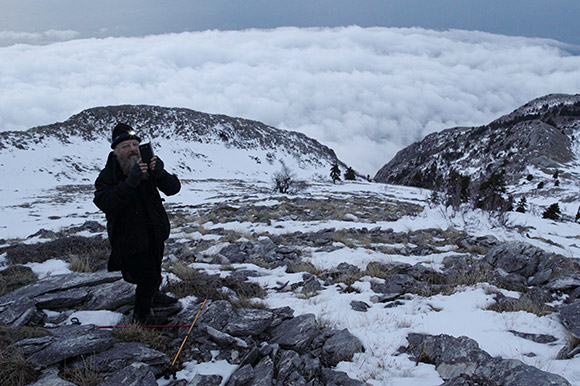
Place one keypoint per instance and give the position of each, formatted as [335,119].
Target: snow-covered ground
[381,330]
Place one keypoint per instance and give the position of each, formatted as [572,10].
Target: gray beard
[127,164]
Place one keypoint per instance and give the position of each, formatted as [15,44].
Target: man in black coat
[127,191]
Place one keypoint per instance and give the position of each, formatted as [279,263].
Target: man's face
[128,151]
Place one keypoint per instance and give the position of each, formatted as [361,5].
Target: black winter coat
[136,219]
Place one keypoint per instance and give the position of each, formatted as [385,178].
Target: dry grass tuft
[155,339]
[81,264]
[183,271]
[14,369]
[14,277]
[247,303]
[522,304]
[81,376]
[303,266]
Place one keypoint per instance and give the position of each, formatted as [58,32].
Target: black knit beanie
[123,132]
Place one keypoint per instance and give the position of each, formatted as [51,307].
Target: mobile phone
[146,152]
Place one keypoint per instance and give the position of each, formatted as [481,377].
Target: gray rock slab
[264,372]
[570,318]
[296,333]
[216,314]
[19,312]
[564,283]
[123,354]
[62,283]
[70,342]
[225,340]
[206,380]
[341,347]
[110,296]
[462,357]
[249,321]
[20,307]
[333,377]
[136,374]
[62,300]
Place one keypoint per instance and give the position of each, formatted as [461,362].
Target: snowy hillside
[192,144]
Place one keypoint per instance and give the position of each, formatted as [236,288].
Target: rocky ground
[243,249]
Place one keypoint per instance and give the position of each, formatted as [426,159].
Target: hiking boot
[162,300]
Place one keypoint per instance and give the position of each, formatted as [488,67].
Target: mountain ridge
[540,135]
[194,142]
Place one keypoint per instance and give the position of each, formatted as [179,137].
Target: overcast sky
[366,92]
[555,19]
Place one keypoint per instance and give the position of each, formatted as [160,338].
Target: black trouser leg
[144,297]
[144,269]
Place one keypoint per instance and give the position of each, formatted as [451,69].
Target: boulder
[136,374]
[341,347]
[249,321]
[570,317]
[462,358]
[67,342]
[296,333]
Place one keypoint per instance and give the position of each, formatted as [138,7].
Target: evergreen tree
[335,173]
[522,205]
[490,196]
[553,212]
[578,215]
[350,174]
[540,184]
[457,189]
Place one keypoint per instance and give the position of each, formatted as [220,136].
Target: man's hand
[156,167]
[136,173]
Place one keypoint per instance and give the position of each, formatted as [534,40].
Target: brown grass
[81,376]
[155,339]
[14,369]
[14,277]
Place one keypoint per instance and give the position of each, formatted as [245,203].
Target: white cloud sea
[366,92]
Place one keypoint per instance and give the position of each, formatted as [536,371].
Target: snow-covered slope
[192,144]
[539,136]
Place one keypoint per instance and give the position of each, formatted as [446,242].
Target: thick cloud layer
[366,92]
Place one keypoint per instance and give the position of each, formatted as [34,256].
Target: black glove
[135,175]
[158,170]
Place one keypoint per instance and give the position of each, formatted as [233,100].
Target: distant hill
[530,144]
[193,144]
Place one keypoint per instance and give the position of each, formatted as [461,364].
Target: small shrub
[285,181]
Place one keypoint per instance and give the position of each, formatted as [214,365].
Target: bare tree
[285,181]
